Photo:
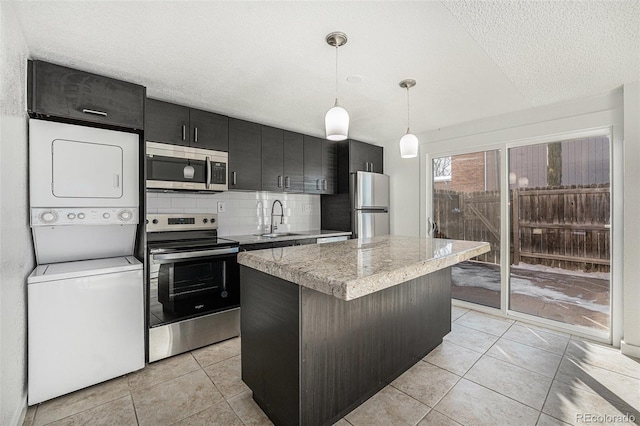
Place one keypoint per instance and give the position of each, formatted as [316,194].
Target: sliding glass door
[466,206]
[553,229]
[560,231]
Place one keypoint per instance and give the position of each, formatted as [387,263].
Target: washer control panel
[84,216]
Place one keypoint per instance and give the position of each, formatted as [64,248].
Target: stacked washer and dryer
[85,297]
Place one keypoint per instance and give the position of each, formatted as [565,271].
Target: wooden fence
[564,227]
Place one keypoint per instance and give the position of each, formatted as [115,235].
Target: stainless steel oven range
[194,286]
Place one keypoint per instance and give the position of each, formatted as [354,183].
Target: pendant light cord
[336,73]
[408,112]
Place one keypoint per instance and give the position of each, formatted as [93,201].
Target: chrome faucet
[281,215]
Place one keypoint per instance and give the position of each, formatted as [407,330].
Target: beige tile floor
[488,371]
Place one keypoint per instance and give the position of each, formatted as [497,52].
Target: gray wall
[16,252]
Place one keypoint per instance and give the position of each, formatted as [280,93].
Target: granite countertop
[299,235]
[354,268]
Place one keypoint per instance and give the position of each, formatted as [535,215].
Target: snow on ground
[475,274]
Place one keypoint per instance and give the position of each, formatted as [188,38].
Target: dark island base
[311,358]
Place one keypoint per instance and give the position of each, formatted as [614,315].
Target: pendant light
[409,142]
[336,121]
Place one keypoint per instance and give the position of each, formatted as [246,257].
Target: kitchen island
[325,327]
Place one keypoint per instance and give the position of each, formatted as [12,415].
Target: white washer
[86,324]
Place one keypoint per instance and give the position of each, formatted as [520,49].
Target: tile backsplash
[244,212]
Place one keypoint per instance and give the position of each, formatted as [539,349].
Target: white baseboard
[630,350]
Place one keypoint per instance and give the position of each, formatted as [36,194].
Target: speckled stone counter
[356,268]
[324,327]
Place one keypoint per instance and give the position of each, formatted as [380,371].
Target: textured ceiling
[557,50]
[268,61]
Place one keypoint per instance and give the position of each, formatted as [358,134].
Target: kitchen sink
[276,234]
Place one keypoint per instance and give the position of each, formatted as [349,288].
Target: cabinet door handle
[287,182]
[324,184]
[93,111]
[279,181]
[318,184]
[366,166]
[184,132]
[233,178]
[195,134]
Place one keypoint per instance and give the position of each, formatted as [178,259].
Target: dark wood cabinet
[355,156]
[181,125]
[364,157]
[282,160]
[272,159]
[277,244]
[312,164]
[245,155]
[57,91]
[208,130]
[329,166]
[320,165]
[293,168]
[167,123]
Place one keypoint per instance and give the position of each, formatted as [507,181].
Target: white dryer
[79,166]
[82,176]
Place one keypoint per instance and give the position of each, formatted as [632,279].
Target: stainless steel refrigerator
[364,210]
[370,204]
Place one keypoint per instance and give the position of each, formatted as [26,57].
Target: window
[442,169]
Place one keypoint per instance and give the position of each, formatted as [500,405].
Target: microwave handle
[173,257]
[207,183]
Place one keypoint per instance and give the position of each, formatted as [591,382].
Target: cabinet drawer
[54,90]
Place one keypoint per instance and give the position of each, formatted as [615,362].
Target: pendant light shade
[336,121]
[409,145]
[409,142]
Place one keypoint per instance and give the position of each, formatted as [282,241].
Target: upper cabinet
[272,159]
[166,123]
[293,167]
[180,125]
[355,156]
[57,91]
[282,160]
[364,157]
[245,155]
[320,157]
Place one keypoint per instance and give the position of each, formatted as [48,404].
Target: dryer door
[79,166]
[86,170]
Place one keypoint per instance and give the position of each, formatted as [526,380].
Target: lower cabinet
[277,244]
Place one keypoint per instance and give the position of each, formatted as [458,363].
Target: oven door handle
[173,257]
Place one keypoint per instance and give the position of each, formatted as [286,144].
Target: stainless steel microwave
[175,167]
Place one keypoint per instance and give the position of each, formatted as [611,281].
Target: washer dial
[49,216]
[125,215]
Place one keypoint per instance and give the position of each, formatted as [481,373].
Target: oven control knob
[80,215]
[106,215]
[205,220]
[49,216]
[213,220]
[71,216]
[125,215]
[155,221]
